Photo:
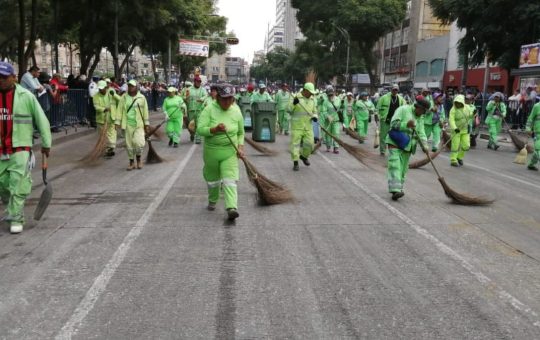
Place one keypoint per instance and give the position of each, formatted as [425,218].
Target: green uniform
[330,120]
[383,108]
[194,98]
[347,109]
[106,119]
[15,175]
[282,102]
[257,97]
[133,119]
[301,127]
[459,119]
[496,114]
[174,108]
[220,159]
[434,129]
[362,109]
[533,125]
[398,160]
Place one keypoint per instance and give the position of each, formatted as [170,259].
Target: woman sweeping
[218,122]
[174,109]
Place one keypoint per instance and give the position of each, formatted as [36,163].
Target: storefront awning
[528,71]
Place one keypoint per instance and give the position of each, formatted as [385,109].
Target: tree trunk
[465,73]
[126,58]
[95,63]
[33,32]
[22,38]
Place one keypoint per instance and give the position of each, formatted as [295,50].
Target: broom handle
[427,153]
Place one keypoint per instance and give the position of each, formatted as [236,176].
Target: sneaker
[295,166]
[170,142]
[460,162]
[434,150]
[489,146]
[328,149]
[232,214]
[336,151]
[305,161]
[175,145]
[286,133]
[495,147]
[532,167]
[16,227]
[211,206]
[397,195]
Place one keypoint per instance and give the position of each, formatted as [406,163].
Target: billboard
[529,55]
[195,48]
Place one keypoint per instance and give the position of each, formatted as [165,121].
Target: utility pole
[116,66]
[168,74]
[486,79]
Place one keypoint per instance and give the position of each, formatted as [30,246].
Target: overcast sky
[249,20]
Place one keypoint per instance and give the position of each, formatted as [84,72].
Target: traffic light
[232,41]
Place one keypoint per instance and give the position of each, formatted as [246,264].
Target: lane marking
[70,328]
[478,275]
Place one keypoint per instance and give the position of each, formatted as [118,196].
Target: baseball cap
[422,103]
[225,90]
[171,89]
[310,87]
[363,94]
[395,87]
[349,93]
[262,86]
[188,83]
[132,82]
[6,69]
[101,84]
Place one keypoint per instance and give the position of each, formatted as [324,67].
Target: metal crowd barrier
[154,102]
[73,107]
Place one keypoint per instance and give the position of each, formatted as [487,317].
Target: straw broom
[354,151]
[456,197]
[269,192]
[152,156]
[445,138]
[99,149]
[433,155]
[260,148]
[377,132]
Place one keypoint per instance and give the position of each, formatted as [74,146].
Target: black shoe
[397,195]
[232,214]
[532,167]
[295,166]
[175,145]
[495,147]
[192,138]
[489,146]
[286,133]
[460,162]
[305,161]
[170,142]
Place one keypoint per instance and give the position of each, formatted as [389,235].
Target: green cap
[132,82]
[101,84]
[188,83]
[310,87]
[171,89]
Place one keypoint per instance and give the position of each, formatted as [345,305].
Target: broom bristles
[521,157]
[519,143]
[152,156]
[358,153]
[262,149]
[317,146]
[311,77]
[99,149]
[463,199]
[422,162]
[269,192]
[376,140]
[445,139]
[354,134]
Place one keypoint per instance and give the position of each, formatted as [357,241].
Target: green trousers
[111,134]
[301,143]
[398,165]
[536,155]
[174,129]
[461,143]
[347,119]
[361,126]
[434,130]
[334,128]
[283,120]
[494,128]
[194,115]
[220,172]
[383,132]
[15,184]
[135,141]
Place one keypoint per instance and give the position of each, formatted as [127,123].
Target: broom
[354,151]
[354,134]
[152,156]
[262,149]
[269,192]
[433,155]
[445,138]
[522,146]
[377,132]
[99,149]
[456,197]
[317,146]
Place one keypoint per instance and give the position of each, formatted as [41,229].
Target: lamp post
[348,37]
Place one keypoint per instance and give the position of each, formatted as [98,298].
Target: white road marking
[70,328]
[478,275]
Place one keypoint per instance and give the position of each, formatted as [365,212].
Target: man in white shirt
[92,87]
[30,80]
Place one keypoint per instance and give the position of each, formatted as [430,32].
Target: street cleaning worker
[194,97]
[283,97]
[475,121]
[386,107]
[402,142]
[174,109]
[261,95]
[330,119]
[496,110]
[437,116]
[363,108]
[105,105]
[20,112]
[347,110]
[133,118]
[459,121]
[219,119]
[533,129]
[303,109]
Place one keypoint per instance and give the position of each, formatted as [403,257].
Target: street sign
[232,41]
[195,48]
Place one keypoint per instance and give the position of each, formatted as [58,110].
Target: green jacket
[460,118]
[302,112]
[363,109]
[174,107]
[383,105]
[27,113]
[428,117]
[347,107]
[257,97]
[399,122]
[101,102]
[213,115]
[195,100]
[139,109]
[533,122]
[329,110]
[491,108]
[282,100]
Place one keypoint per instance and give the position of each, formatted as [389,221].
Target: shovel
[47,193]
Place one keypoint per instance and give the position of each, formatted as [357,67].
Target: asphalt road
[135,255]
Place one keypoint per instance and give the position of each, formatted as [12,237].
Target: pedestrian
[386,107]
[20,112]
[437,117]
[496,113]
[533,129]
[105,106]
[133,118]
[330,119]
[346,109]
[30,82]
[217,121]
[174,109]
[261,96]
[406,126]
[46,99]
[303,109]
[459,119]
[475,120]
[283,97]
[155,93]
[363,108]
[194,98]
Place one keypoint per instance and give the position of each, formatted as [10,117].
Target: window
[397,39]
[388,41]
[405,37]
[422,69]
[437,67]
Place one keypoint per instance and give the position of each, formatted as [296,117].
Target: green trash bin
[245,106]
[264,121]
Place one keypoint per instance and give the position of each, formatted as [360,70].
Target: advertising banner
[529,55]
[195,48]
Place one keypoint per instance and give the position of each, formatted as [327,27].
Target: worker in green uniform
[217,121]
[133,118]
[533,129]
[105,104]
[347,110]
[496,110]
[363,108]
[459,120]
[406,126]
[330,119]
[20,112]
[194,97]
[261,96]
[437,116]
[386,107]
[283,97]
[475,120]
[174,109]
[303,109]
